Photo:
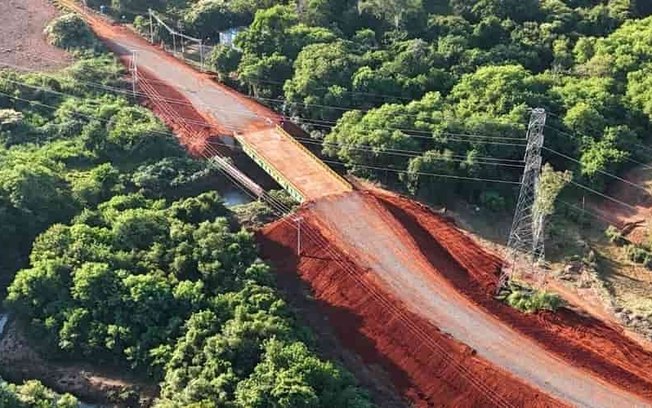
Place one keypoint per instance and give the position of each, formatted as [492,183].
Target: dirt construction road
[225,110]
[370,235]
[378,242]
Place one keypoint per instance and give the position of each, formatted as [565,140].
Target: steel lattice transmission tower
[525,244]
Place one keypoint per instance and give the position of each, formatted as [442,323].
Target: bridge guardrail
[294,191]
[317,159]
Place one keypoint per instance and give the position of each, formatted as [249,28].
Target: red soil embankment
[178,113]
[583,341]
[112,33]
[375,326]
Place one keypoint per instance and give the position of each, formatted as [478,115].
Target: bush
[493,201]
[529,300]
[33,394]
[614,235]
[70,32]
[639,254]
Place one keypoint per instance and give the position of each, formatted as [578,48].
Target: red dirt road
[582,340]
[222,108]
[427,366]
[416,268]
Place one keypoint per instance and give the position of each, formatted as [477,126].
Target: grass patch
[529,300]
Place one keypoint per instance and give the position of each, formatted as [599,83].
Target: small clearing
[22,42]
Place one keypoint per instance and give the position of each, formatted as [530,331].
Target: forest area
[432,98]
[116,249]
[374,79]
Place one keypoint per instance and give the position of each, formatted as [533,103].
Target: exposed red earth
[177,112]
[373,323]
[409,291]
[582,340]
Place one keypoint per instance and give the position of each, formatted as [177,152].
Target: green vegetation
[32,394]
[640,253]
[529,300]
[176,290]
[126,256]
[70,32]
[407,82]
[65,147]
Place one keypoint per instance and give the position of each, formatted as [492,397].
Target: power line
[204,123]
[409,155]
[608,197]
[413,133]
[608,221]
[425,338]
[94,117]
[599,171]
[458,137]
[419,152]
[331,161]
[648,148]
[488,392]
[229,146]
[406,171]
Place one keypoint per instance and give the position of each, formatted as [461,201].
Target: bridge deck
[306,173]
[224,109]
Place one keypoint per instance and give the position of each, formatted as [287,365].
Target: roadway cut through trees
[407,289]
[226,111]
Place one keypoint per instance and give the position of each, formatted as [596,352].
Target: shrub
[493,201]
[529,300]
[639,254]
[614,235]
[70,32]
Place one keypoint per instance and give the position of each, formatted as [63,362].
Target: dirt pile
[384,333]
[581,340]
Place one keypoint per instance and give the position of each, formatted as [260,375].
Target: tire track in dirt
[581,340]
[380,337]
[373,237]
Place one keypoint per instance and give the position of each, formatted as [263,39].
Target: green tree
[316,65]
[225,59]
[638,86]
[255,71]
[69,31]
[437,189]
[206,18]
[551,183]
[497,90]
[392,11]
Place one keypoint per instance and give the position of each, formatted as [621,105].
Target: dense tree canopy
[74,147]
[135,260]
[488,60]
[32,394]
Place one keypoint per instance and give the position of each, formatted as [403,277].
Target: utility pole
[180,27]
[151,26]
[201,54]
[133,69]
[298,221]
[525,244]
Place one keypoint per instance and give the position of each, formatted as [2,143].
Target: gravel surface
[376,240]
